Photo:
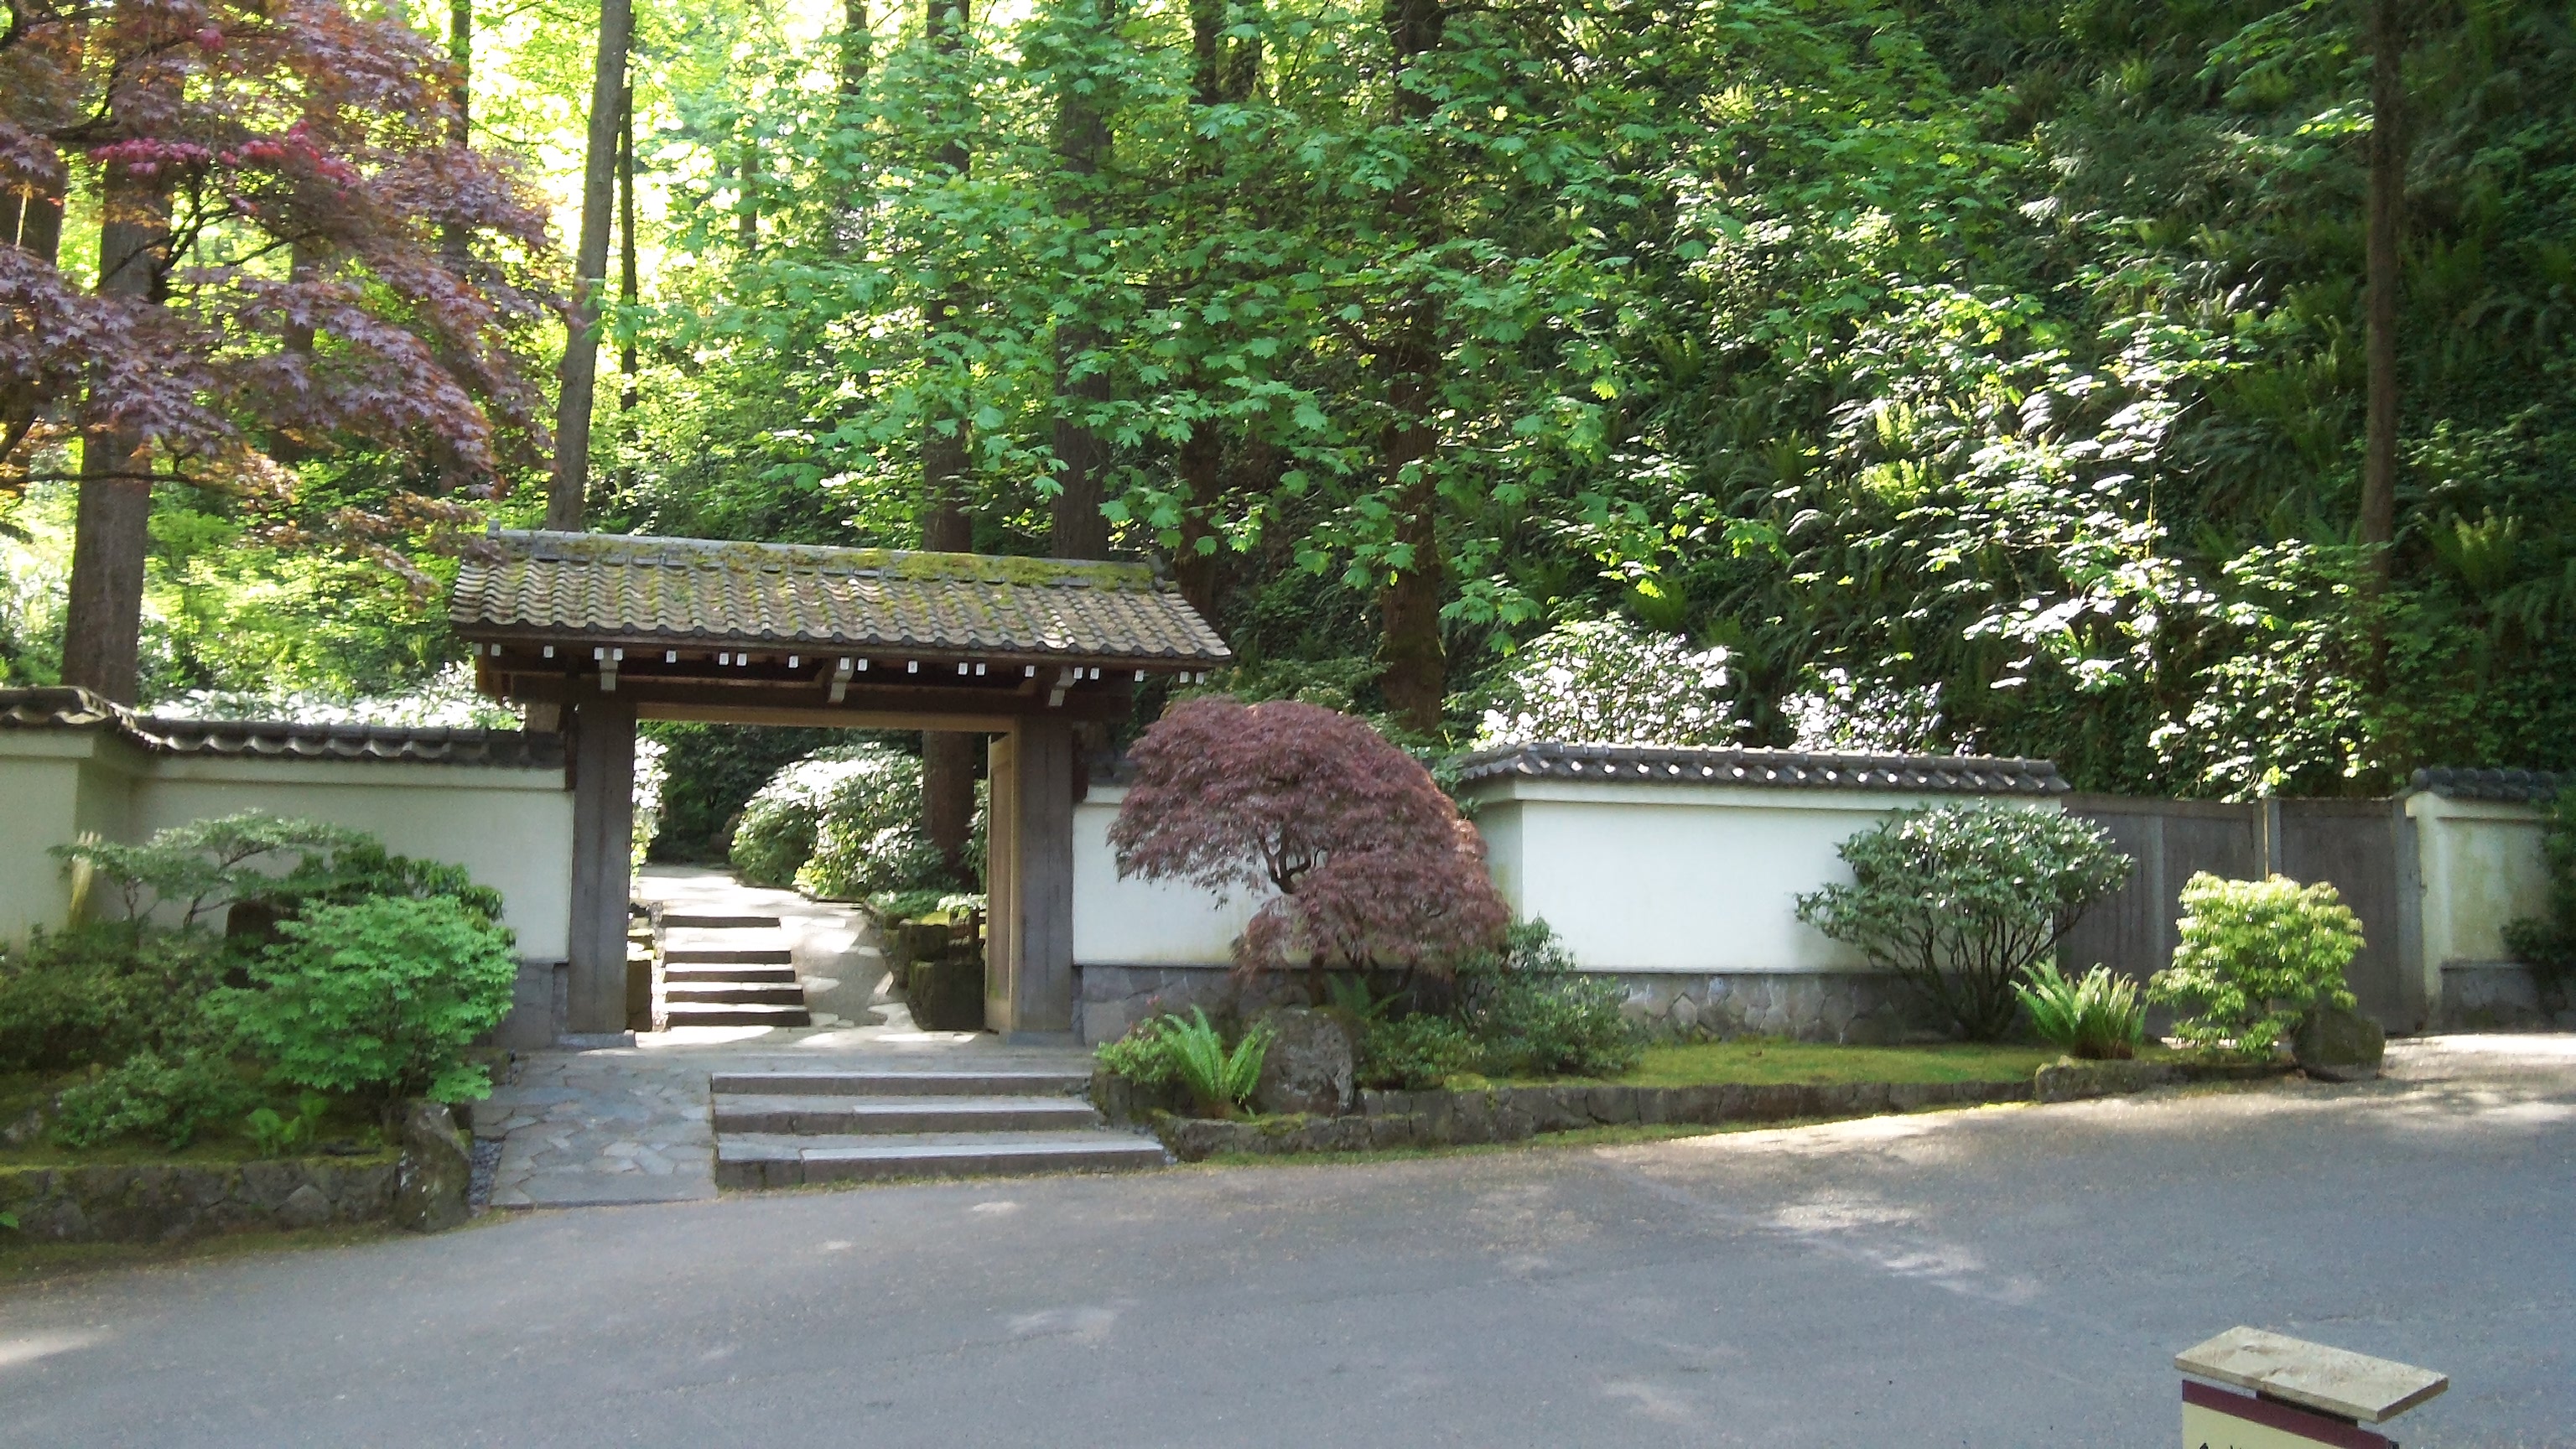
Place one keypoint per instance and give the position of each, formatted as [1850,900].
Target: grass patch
[1760,1063]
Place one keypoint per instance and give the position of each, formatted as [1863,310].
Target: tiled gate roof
[616,589]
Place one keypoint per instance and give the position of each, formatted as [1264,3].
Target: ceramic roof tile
[612,588]
[78,709]
[1661,765]
[2510,785]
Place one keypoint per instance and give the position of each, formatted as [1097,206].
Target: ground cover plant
[1959,900]
[2253,957]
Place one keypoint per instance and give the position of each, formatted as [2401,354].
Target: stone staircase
[788,1129]
[729,971]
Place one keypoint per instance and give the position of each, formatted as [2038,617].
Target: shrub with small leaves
[380,997]
[1958,900]
[1532,1014]
[2254,957]
[169,1100]
[2547,942]
[100,992]
[1412,1053]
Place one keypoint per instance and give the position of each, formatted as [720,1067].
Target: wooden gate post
[603,810]
[1029,849]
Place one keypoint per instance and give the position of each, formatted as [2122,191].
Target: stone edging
[1439,1118]
[167,1202]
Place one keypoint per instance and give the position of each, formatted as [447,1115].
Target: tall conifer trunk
[947,758]
[1078,529]
[1224,70]
[1415,676]
[103,620]
[2386,226]
[578,378]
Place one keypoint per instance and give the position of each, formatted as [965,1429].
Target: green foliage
[1959,900]
[711,771]
[98,993]
[277,1134]
[1411,1053]
[843,824]
[1530,1013]
[2100,1017]
[1193,1053]
[2253,957]
[170,1100]
[380,997]
[205,866]
[2547,943]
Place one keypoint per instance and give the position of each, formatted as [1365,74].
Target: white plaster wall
[1141,923]
[510,828]
[2482,867]
[54,787]
[1685,878]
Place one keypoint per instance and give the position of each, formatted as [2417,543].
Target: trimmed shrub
[2254,957]
[1531,1014]
[380,998]
[171,1100]
[96,994]
[1959,900]
[1372,866]
[1411,1053]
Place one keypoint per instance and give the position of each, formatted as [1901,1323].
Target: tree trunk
[627,282]
[579,377]
[857,47]
[1078,529]
[1223,71]
[1416,667]
[455,242]
[947,758]
[746,215]
[111,535]
[2386,223]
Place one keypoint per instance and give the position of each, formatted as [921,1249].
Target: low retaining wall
[1439,1118]
[166,1202]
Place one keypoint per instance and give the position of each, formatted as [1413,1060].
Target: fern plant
[2100,1016]
[1219,1081]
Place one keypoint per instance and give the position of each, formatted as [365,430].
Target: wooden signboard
[2215,1418]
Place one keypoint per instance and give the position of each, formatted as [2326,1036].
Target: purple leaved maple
[1373,866]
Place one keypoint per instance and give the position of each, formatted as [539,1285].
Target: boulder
[2339,1045]
[1310,1066]
[437,1170]
[306,1207]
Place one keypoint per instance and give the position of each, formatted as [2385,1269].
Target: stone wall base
[2506,995]
[1853,1007]
[167,1202]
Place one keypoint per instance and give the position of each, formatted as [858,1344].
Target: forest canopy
[1982,376]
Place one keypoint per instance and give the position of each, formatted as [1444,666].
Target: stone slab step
[703,921]
[812,1116]
[764,1160]
[775,993]
[768,973]
[728,955]
[725,1013]
[996,1082]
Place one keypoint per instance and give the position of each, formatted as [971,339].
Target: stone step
[726,1013]
[701,921]
[767,1160]
[996,1082]
[812,1116]
[768,974]
[728,955]
[776,993]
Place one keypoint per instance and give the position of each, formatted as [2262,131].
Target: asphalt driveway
[2016,1276]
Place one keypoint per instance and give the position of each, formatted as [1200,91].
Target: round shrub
[2253,957]
[380,997]
[841,824]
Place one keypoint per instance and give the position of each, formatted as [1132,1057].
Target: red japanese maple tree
[1374,867]
[272,179]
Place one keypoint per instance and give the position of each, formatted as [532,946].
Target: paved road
[2004,1277]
